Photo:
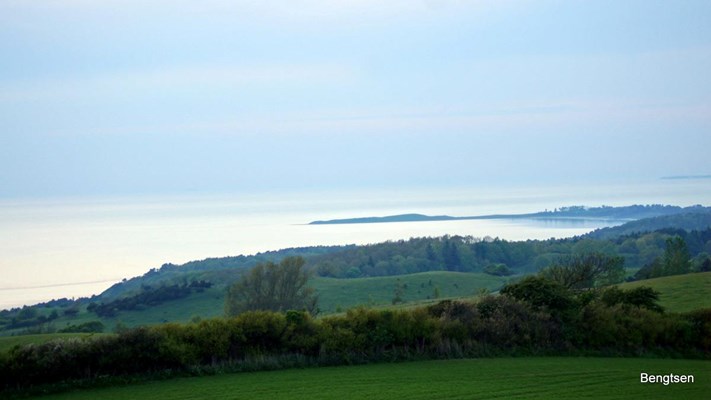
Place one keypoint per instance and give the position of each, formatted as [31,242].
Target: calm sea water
[78,247]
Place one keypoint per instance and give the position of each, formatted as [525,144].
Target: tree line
[498,256]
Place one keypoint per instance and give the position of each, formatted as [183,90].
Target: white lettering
[665,380]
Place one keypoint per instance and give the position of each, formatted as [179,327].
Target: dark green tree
[450,255]
[398,292]
[431,256]
[676,259]
[273,287]
[541,293]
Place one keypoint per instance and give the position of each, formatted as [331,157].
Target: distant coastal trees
[667,250]
[272,287]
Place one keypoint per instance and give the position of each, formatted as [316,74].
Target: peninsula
[625,213]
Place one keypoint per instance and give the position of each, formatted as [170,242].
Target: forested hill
[689,221]
[632,212]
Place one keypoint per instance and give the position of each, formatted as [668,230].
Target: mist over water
[53,248]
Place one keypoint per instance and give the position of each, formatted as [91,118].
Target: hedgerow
[508,324]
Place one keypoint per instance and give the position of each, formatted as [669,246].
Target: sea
[75,247]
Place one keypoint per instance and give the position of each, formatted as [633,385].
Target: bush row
[495,325]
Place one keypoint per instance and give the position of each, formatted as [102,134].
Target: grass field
[504,378]
[8,342]
[348,293]
[334,295]
[680,293]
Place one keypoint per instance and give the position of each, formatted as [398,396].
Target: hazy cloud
[175,78]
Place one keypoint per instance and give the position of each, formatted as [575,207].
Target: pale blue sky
[123,97]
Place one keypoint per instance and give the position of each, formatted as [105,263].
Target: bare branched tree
[586,271]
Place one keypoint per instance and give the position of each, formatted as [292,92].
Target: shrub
[498,270]
[644,297]
[260,332]
[700,327]
[211,340]
[509,323]
[541,293]
[87,327]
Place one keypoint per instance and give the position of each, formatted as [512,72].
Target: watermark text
[665,379]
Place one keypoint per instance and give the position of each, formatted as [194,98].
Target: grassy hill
[529,378]
[335,295]
[680,293]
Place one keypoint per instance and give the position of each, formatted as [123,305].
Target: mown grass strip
[503,378]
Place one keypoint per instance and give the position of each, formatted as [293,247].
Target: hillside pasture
[679,293]
[335,294]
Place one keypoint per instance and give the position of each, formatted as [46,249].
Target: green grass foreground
[484,378]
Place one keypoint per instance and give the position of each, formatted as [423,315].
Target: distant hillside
[573,212]
[348,275]
[226,269]
[687,221]
[217,270]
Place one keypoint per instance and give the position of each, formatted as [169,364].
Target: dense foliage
[469,254]
[534,316]
[693,219]
[272,287]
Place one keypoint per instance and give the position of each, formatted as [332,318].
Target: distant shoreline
[433,218]
[626,213]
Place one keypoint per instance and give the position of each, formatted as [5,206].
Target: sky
[132,97]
